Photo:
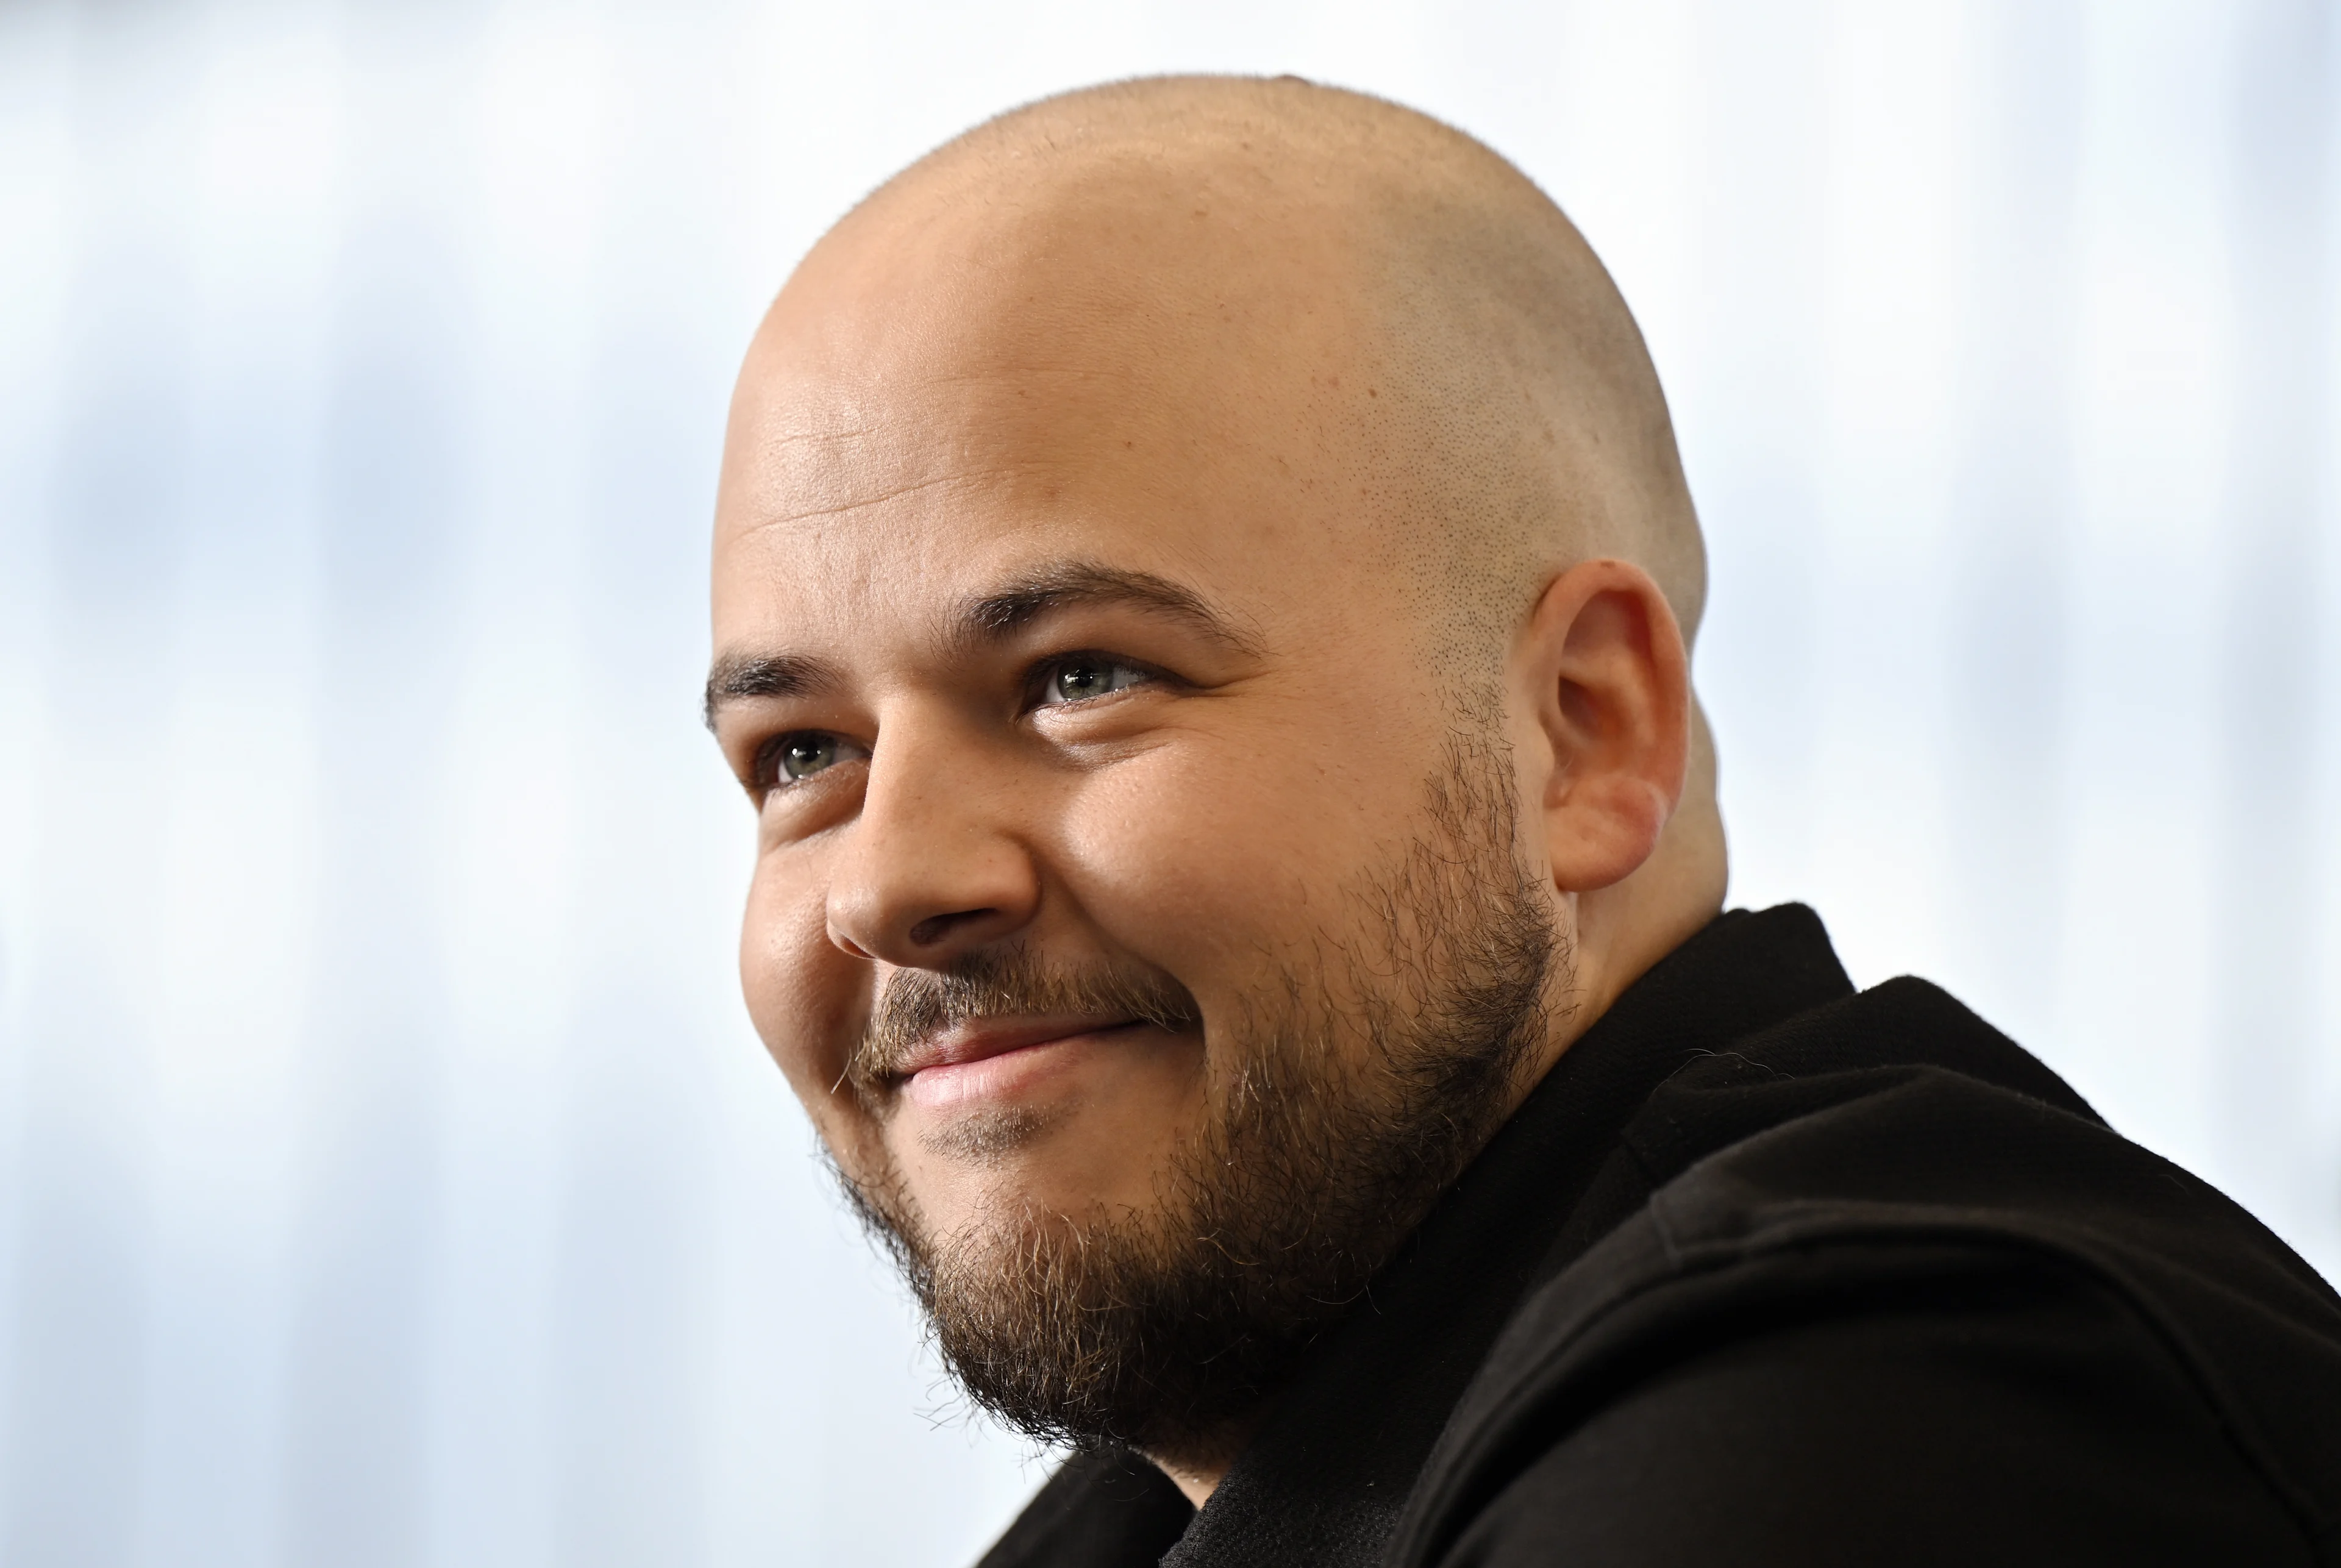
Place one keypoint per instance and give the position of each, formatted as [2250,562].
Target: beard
[1340,1105]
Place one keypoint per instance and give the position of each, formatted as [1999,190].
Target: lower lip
[1007,1076]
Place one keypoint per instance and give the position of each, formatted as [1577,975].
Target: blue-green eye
[1084,676]
[802,755]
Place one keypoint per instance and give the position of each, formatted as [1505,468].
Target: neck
[1198,1481]
[1618,932]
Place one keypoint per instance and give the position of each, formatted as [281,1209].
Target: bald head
[1200,581]
[1274,262]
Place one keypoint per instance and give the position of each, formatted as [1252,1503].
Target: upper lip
[976,1038]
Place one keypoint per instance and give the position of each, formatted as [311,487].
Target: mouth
[991,1058]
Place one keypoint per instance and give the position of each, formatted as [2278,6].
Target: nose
[929,870]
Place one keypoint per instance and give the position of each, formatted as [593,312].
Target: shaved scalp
[1341,394]
[1513,424]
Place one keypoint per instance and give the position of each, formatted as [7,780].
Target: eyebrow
[989,619]
[737,675]
[996,616]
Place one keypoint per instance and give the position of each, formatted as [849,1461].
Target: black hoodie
[1767,1271]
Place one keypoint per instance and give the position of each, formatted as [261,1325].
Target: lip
[979,1040]
[1000,1060]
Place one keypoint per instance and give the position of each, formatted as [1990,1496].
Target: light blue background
[387,1173]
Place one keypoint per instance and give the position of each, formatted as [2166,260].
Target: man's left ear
[1609,688]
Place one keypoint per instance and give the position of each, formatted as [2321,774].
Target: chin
[1029,1183]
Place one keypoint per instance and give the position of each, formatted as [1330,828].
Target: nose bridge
[931,867]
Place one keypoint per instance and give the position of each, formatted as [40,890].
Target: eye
[793,758]
[1082,677]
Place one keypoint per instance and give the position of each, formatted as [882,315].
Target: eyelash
[771,757]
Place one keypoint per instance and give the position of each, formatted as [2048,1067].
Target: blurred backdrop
[388,1174]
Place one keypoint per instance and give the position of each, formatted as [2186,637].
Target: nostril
[936,927]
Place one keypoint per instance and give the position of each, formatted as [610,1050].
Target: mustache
[916,1004]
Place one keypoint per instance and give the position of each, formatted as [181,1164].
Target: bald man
[1203,588]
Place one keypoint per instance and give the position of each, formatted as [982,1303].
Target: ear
[1603,682]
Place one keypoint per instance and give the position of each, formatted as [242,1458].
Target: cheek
[805,997]
[1218,859]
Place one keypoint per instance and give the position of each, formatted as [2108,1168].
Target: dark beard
[1332,1128]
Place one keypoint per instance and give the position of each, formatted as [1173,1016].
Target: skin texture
[1319,423]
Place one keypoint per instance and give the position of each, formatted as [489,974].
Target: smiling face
[1092,734]
[1197,794]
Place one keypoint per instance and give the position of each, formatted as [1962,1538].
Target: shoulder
[1859,1302]
[1953,1409]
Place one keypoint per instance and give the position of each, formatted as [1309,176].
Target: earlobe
[1611,829]
[1609,686]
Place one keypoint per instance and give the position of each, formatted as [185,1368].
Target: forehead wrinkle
[906,453]
[897,493]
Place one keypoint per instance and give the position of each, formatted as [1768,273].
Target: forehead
[1138,367]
